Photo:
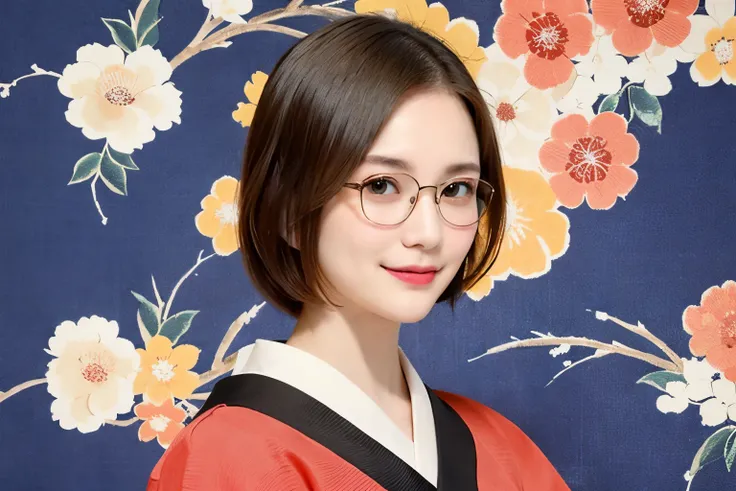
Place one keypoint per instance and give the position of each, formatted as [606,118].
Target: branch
[597,354]
[646,334]
[259,23]
[211,375]
[125,422]
[200,396]
[25,385]
[233,331]
[5,87]
[139,13]
[614,347]
[200,260]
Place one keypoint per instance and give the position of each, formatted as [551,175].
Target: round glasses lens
[388,199]
[464,200]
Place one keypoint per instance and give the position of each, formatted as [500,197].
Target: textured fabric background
[645,258]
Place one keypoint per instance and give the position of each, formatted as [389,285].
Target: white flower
[92,373]
[715,411]
[697,386]
[711,44]
[523,115]
[120,99]
[653,67]
[229,10]
[580,98]
[603,63]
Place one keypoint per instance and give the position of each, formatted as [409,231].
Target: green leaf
[661,379]
[712,449]
[646,107]
[145,335]
[147,32]
[150,37]
[610,103]
[122,159]
[174,327]
[122,34]
[86,167]
[729,450]
[149,314]
[113,175]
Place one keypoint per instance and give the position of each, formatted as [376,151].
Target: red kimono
[259,433]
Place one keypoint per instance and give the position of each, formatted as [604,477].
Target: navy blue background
[646,259]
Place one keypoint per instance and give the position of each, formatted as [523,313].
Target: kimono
[287,421]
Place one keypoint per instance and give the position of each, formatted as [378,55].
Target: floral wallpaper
[122,125]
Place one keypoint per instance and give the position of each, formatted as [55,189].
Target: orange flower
[590,160]
[253,90]
[712,325]
[160,422]
[460,35]
[536,232]
[548,33]
[165,371]
[635,22]
[718,59]
[219,216]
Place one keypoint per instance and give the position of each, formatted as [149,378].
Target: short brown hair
[323,105]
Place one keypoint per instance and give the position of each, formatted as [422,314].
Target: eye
[459,189]
[382,185]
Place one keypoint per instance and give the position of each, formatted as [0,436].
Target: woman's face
[428,134]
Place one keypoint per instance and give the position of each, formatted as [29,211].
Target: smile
[413,277]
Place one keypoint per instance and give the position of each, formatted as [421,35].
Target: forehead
[430,131]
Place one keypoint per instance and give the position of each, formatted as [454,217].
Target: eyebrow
[400,164]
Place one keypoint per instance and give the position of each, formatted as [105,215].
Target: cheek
[458,243]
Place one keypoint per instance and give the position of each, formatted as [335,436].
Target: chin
[407,311]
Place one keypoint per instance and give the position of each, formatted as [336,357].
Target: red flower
[548,33]
[635,23]
[713,327]
[162,422]
[590,160]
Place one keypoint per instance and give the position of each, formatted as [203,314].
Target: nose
[424,226]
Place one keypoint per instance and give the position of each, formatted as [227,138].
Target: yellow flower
[165,371]
[219,216]
[536,232]
[460,35]
[253,90]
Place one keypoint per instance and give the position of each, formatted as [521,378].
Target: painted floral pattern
[575,89]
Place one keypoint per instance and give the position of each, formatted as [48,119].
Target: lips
[415,275]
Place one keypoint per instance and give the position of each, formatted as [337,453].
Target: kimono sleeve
[222,450]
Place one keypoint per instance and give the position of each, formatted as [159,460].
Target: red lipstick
[415,275]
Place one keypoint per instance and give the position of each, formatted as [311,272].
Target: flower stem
[5,87]
[20,387]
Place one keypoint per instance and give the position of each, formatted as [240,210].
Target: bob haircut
[322,107]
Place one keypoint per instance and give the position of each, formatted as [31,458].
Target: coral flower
[548,33]
[165,371]
[712,325]
[591,160]
[219,216]
[160,422]
[634,23]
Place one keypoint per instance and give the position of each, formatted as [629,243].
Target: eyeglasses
[389,199]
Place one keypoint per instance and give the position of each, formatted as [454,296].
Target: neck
[363,347]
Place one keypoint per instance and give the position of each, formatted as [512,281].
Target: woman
[371,190]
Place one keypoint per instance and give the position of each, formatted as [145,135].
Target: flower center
[97,366]
[546,36]
[516,224]
[163,370]
[227,213]
[645,13]
[728,329]
[116,84]
[723,50]
[505,112]
[159,423]
[589,160]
